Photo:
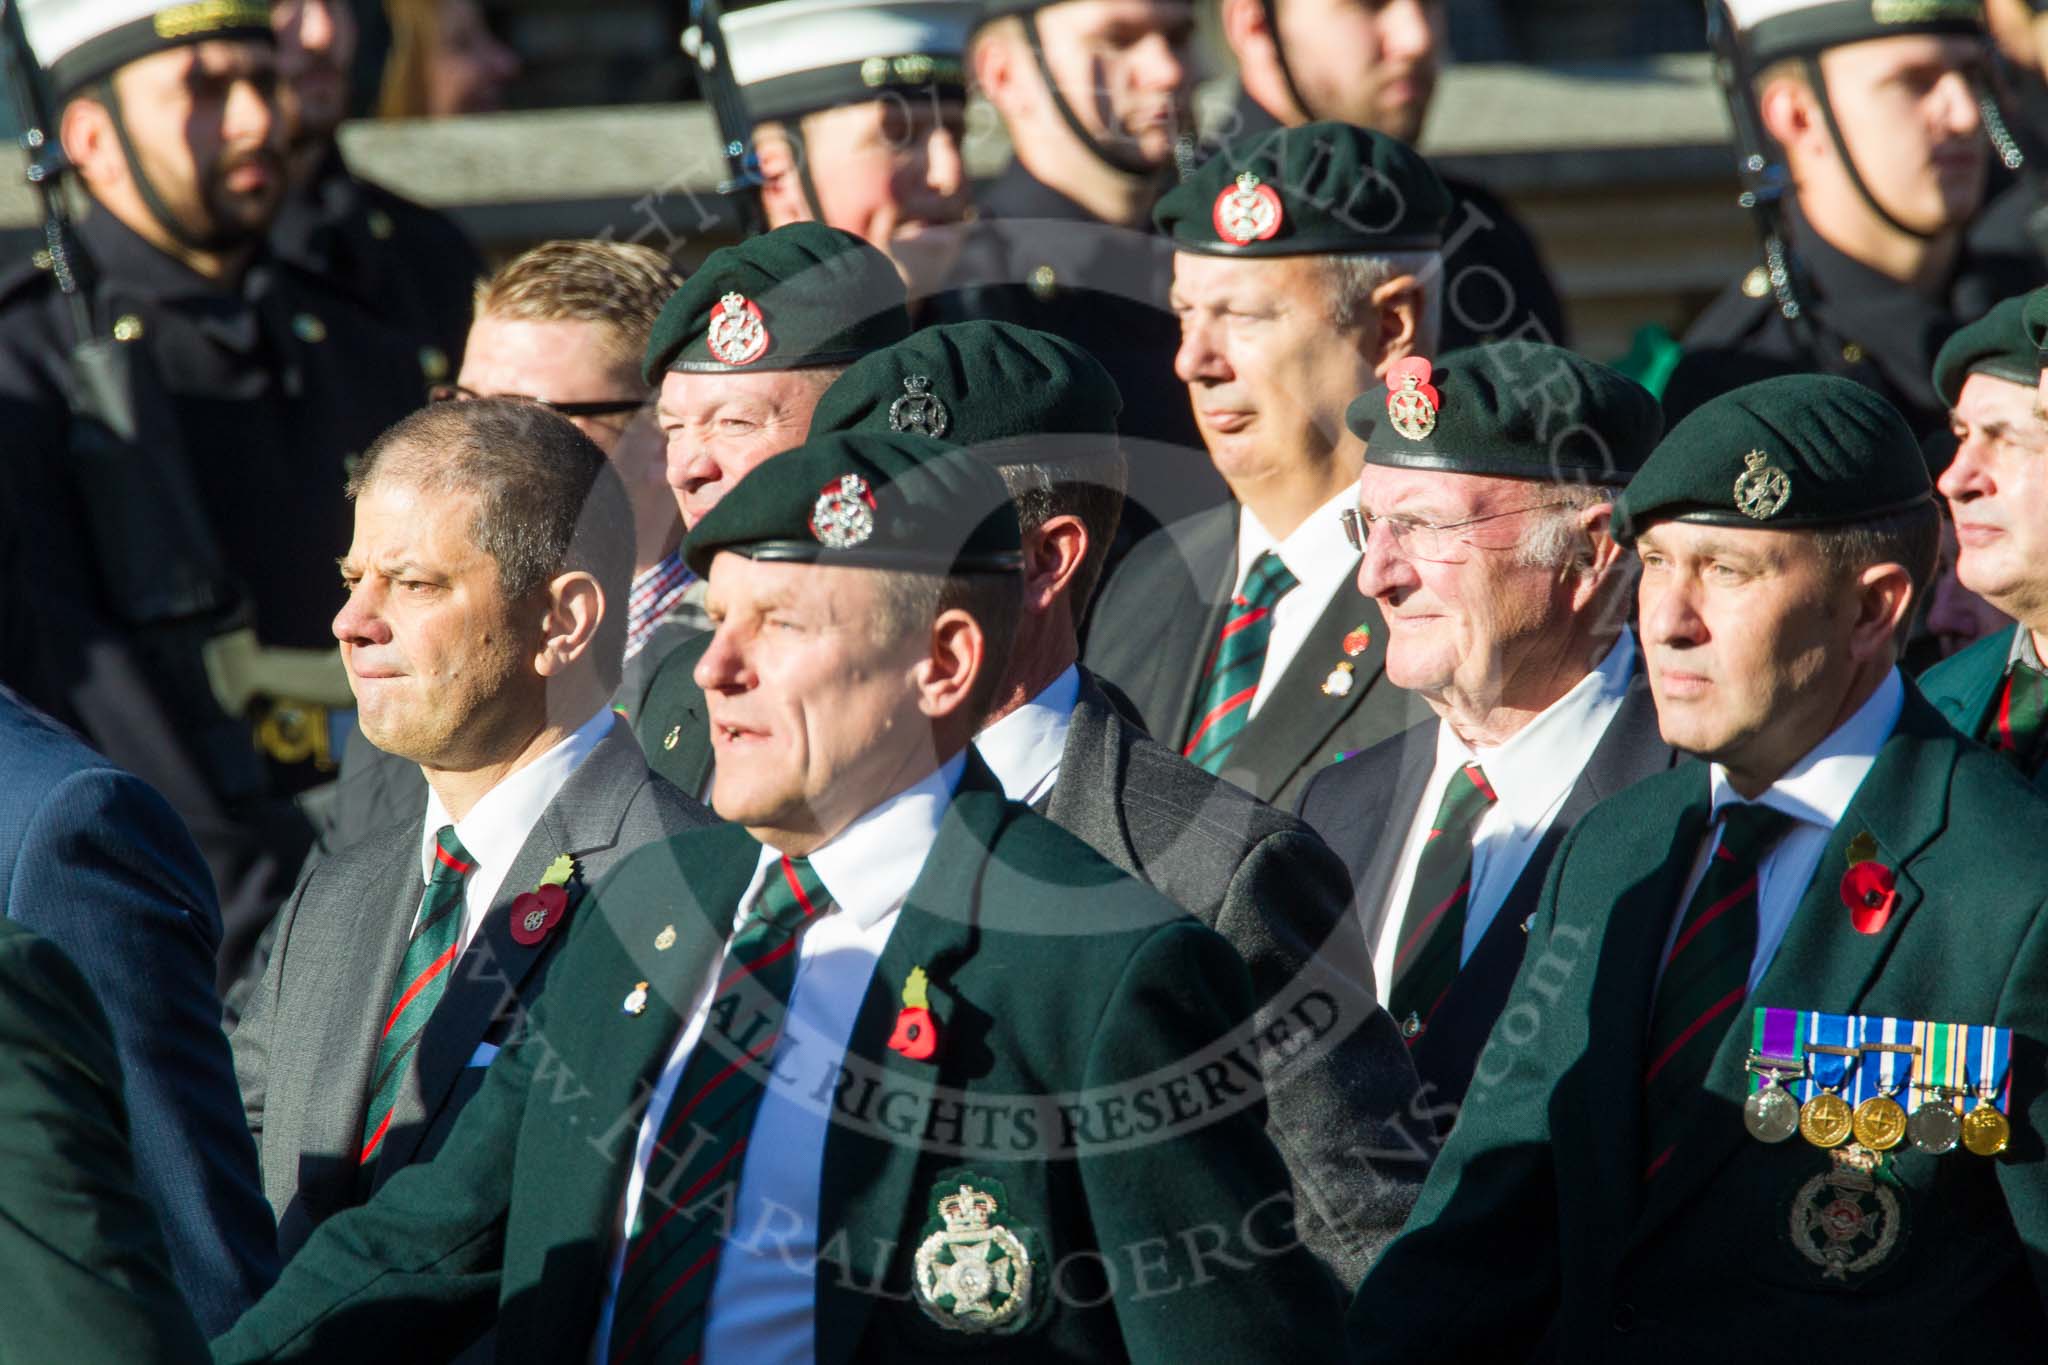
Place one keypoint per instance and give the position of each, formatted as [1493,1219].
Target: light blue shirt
[765,1295]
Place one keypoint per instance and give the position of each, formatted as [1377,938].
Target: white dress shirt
[1321,560]
[1023,749]
[497,827]
[1532,774]
[765,1295]
[1817,790]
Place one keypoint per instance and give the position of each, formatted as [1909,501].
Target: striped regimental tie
[2017,726]
[1232,678]
[429,958]
[1433,928]
[672,1254]
[1706,976]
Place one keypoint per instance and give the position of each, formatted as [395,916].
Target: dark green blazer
[80,1252]
[1537,1222]
[673,725]
[1965,687]
[1055,980]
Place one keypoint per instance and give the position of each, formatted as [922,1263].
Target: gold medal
[1825,1120]
[1879,1123]
[1985,1130]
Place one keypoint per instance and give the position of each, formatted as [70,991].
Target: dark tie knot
[791,896]
[1268,581]
[1749,830]
[451,860]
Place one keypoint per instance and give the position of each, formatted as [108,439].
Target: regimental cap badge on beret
[844,515]
[1412,401]
[1248,211]
[1763,489]
[919,409]
[737,334]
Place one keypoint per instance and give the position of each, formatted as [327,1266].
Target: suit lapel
[1298,715]
[1214,569]
[1083,800]
[1391,809]
[938,929]
[1823,963]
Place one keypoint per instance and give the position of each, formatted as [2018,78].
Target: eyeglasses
[1420,539]
[599,407]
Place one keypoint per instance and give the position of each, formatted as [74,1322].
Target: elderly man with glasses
[1483,525]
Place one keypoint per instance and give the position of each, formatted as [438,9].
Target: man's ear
[1246,31]
[946,676]
[1596,523]
[1884,602]
[1787,110]
[782,190]
[85,130]
[1053,555]
[572,613]
[1399,309]
[994,61]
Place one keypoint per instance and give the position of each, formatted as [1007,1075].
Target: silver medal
[1771,1114]
[1935,1127]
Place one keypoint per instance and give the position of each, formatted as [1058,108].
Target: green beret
[1320,189]
[972,383]
[899,501]
[801,296]
[2034,317]
[1512,409]
[1996,344]
[1791,453]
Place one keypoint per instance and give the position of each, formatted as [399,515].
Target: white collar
[1026,745]
[1540,761]
[1314,552]
[1818,788]
[496,827]
[869,867]
[2023,651]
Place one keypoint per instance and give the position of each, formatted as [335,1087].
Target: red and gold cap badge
[1247,212]
[738,335]
[844,515]
[1412,401]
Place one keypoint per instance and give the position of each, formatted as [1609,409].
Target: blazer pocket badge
[973,1273]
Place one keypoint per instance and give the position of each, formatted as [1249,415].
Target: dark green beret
[1771,29]
[1320,189]
[897,501]
[2034,317]
[972,383]
[1996,344]
[1512,409]
[802,296]
[1791,453]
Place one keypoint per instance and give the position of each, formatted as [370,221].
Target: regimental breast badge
[919,409]
[1412,401]
[737,335]
[844,515]
[1844,1220]
[1248,211]
[1762,490]
[973,1274]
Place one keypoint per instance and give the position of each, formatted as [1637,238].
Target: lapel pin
[666,939]
[1358,640]
[675,732]
[916,1035]
[635,1002]
[1338,684]
[1870,890]
[535,913]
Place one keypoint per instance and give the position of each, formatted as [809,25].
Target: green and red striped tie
[1232,678]
[429,959]
[1433,928]
[2017,726]
[1706,976]
[672,1254]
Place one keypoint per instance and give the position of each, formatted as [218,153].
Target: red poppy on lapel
[917,1033]
[1870,890]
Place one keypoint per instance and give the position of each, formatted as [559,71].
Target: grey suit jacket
[1344,1112]
[1155,626]
[307,1041]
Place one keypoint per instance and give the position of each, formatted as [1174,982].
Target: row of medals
[1879,1123]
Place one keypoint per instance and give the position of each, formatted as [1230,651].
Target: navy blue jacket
[94,860]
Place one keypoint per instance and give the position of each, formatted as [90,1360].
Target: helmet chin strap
[209,243]
[1118,159]
[1819,83]
[1272,8]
